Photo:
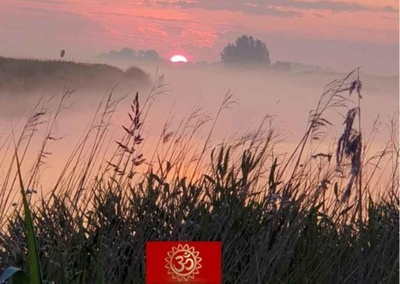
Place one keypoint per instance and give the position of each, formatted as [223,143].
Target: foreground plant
[35,272]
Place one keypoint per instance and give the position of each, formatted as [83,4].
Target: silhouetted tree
[128,54]
[246,51]
[148,55]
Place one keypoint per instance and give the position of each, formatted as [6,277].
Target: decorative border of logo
[183,262]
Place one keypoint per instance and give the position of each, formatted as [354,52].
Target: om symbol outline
[183,262]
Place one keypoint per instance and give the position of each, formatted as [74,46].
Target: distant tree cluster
[281,66]
[128,54]
[245,52]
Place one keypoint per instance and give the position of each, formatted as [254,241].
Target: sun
[177,58]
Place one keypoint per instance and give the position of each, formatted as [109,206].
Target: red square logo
[183,262]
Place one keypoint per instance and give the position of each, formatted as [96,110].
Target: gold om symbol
[186,263]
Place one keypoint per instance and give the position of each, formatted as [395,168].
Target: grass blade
[35,273]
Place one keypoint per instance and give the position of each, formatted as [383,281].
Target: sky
[340,35]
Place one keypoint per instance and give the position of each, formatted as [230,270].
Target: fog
[287,97]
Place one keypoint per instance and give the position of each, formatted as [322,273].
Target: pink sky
[337,34]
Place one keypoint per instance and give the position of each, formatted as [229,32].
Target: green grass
[35,272]
[281,219]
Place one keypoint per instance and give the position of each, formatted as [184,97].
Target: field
[306,217]
[29,75]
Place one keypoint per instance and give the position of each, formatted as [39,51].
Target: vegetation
[26,75]
[128,55]
[314,216]
[246,52]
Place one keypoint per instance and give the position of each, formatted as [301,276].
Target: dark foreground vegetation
[307,217]
[29,75]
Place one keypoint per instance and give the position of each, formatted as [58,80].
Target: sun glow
[178,58]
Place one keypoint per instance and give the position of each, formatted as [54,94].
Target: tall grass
[282,219]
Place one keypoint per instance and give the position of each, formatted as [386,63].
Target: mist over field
[284,98]
[80,125]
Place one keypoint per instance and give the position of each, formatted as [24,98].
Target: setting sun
[178,58]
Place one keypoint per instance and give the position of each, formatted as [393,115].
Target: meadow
[316,215]
[19,76]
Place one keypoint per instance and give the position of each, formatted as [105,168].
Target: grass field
[29,75]
[307,217]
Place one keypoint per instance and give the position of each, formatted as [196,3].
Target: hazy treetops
[246,51]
